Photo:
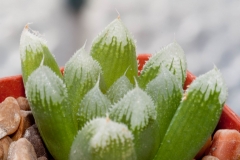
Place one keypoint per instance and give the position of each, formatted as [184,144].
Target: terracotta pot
[13,86]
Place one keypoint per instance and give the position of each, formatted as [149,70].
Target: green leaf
[115,50]
[80,75]
[137,110]
[172,57]
[47,95]
[119,89]
[195,119]
[33,52]
[166,94]
[103,139]
[94,104]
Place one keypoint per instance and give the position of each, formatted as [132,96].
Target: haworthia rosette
[102,139]
[195,118]
[172,57]
[115,50]
[157,123]
[137,110]
[48,98]
[33,52]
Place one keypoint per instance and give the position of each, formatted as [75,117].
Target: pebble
[209,158]
[1,153]
[21,149]
[32,135]
[23,103]
[27,120]
[9,116]
[4,145]
[42,158]
[226,145]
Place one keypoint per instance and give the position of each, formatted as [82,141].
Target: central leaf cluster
[100,108]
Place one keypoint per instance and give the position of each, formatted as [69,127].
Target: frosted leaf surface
[172,57]
[83,67]
[202,105]
[94,104]
[115,51]
[163,86]
[47,96]
[47,86]
[34,52]
[118,30]
[119,89]
[31,41]
[135,109]
[166,93]
[108,130]
[102,139]
[210,82]
[81,74]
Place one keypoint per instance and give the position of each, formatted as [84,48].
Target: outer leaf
[166,93]
[195,119]
[172,57]
[34,51]
[137,110]
[94,104]
[103,139]
[119,89]
[81,74]
[115,50]
[47,95]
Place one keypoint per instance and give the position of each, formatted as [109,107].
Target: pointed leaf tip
[115,51]
[135,109]
[34,52]
[31,41]
[210,82]
[81,74]
[102,139]
[172,57]
[94,104]
[119,89]
[118,30]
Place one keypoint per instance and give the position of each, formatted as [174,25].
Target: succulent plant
[100,108]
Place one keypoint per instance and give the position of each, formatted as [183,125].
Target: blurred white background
[208,31]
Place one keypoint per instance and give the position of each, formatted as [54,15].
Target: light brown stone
[9,116]
[4,145]
[27,120]
[21,149]
[42,158]
[23,103]
[209,158]
[226,144]
[1,153]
